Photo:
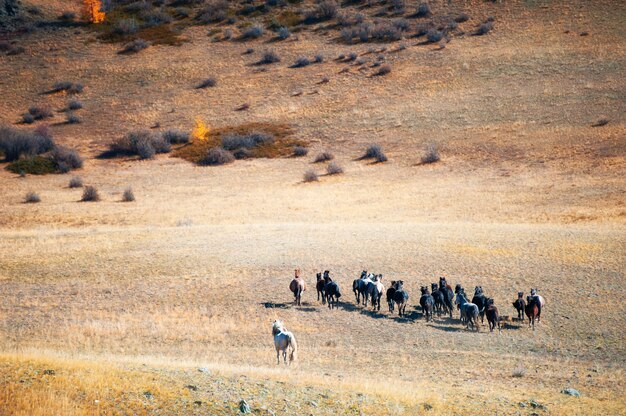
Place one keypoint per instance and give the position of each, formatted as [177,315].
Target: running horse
[297,286]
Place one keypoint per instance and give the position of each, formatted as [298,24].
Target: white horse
[469,311]
[284,339]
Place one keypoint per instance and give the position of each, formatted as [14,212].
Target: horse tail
[294,348]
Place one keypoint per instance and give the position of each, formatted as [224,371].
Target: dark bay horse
[297,286]
[493,318]
[390,292]
[401,297]
[320,285]
[332,292]
[359,286]
[479,300]
[437,296]
[520,306]
[448,295]
[427,303]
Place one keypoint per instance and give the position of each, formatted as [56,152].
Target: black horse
[427,303]
[390,291]
[358,287]
[437,296]
[448,295]
[520,306]
[332,292]
[321,288]
[401,297]
[480,300]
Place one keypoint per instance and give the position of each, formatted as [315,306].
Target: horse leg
[277,356]
[285,355]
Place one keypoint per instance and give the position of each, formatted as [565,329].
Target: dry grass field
[164,305]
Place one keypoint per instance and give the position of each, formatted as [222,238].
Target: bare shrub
[66,159]
[253,32]
[269,57]
[72,118]
[67,86]
[324,157]
[90,194]
[206,83]
[334,169]
[463,17]
[214,11]
[126,27]
[283,33]
[423,10]
[39,112]
[128,195]
[174,136]
[375,151]
[217,156]
[324,10]
[74,105]
[153,18]
[301,62]
[518,372]
[310,176]
[32,198]
[484,28]
[431,155]
[300,151]
[15,143]
[134,46]
[383,70]
[434,35]
[67,16]
[245,141]
[139,142]
[76,182]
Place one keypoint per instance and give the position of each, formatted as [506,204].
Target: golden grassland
[124,299]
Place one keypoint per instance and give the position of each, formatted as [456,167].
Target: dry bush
[518,372]
[324,157]
[302,61]
[66,159]
[383,70]
[300,151]
[375,151]
[206,83]
[74,105]
[434,35]
[246,141]
[32,198]
[333,168]
[484,28]
[268,57]
[134,46]
[174,136]
[431,155]
[76,182]
[90,194]
[283,33]
[310,176]
[128,195]
[67,86]
[39,112]
[15,142]
[217,156]
[423,10]
[72,118]
[143,143]
[324,10]
[253,32]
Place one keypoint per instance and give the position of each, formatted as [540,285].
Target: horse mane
[277,327]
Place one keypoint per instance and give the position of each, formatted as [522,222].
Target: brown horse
[297,286]
[493,318]
[532,310]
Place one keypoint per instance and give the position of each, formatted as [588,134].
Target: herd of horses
[439,299]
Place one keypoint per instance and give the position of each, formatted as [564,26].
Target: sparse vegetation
[323,157]
[519,372]
[253,32]
[375,151]
[76,182]
[66,159]
[214,11]
[431,155]
[324,10]
[300,151]
[90,194]
[484,28]
[134,46]
[66,86]
[32,198]
[383,70]
[333,168]
[128,195]
[269,57]
[206,83]
[217,156]
[15,143]
[423,10]
[72,118]
[283,33]
[247,141]
[301,62]
[310,176]
[39,112]
[143,143]
[74,105]
[434,36]
[174,136]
